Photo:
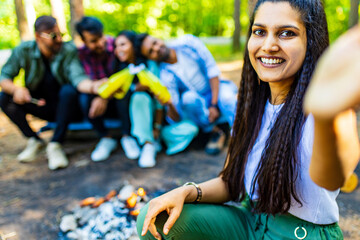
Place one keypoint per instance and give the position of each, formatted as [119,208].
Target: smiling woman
[277,50]
[270,149]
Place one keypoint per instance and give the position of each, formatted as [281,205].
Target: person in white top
[267,166]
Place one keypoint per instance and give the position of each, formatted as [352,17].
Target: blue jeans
[195,106]
[62,111]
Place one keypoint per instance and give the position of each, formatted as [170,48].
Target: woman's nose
[270,44]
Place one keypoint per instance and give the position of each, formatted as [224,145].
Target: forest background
[228,19]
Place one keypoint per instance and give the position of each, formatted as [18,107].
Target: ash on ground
[112,217]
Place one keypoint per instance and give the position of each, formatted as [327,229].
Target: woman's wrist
[189,193]
[193,192]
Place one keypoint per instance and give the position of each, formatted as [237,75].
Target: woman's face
[124,50]
[277,44]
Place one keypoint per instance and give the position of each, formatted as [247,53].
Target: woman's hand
[171,202]
[335,86]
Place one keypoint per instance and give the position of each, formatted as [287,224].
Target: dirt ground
[33,198]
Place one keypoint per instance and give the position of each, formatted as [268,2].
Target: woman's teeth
[272,60]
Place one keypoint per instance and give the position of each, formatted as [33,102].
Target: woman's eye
[287,34]
[258,32]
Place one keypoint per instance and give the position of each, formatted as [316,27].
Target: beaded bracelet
[198,189]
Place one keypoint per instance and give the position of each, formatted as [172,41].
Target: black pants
[62,111]
[117,109]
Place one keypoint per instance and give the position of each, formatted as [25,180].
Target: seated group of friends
[62,85]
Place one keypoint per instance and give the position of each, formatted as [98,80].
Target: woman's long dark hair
[279,165]
[134,39]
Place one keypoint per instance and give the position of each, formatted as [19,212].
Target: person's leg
[66,110]
[107,144]
[17,114]
[205,221]
[178,136]
[141,117]
[97,122]
[195,108]
[128,143]
[122,108]
[227,101]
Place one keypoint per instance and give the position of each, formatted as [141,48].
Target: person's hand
[171,202]
[38,102]
[141,88]
[163,101]
[96,85]
[213,113]
[21,95]
[173,113]
[98,107]
[335,86]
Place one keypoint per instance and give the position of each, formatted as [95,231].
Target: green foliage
[8,30]
[337,13]
[162,18]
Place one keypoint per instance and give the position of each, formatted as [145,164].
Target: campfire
[110,217]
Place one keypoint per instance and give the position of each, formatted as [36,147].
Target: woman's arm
[213,191]
[335,151]
[333,92]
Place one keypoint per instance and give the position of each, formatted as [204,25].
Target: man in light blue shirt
[191,75]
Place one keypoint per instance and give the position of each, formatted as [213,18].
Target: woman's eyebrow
[277,27]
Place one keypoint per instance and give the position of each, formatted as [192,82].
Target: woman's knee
[189,98]
[139,99]
[140,223]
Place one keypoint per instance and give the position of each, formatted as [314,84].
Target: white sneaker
[56,156]
[32,148]
[148,154]
[130,146]
[103,149]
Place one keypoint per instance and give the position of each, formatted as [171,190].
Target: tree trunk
[354,13]
[77,12]
[21,21]
[30,16]
[236,36]
[57,11]
[251,6]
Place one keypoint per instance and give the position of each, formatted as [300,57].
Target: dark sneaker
[216,143]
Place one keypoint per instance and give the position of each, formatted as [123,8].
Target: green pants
[221,222]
